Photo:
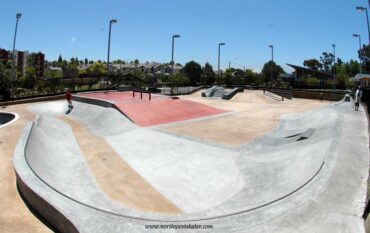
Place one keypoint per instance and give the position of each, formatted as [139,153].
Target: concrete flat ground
[208,159]
[255,115]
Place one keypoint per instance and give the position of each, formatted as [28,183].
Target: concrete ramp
[261,187]
[104,121]
[214,91]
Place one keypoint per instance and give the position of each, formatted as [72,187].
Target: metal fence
[55,86]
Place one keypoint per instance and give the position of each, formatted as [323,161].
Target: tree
[352,67]
[309,81]
[327,60]
[96,69]
[276,70]
[208,74]
[60,60]
[119,61]
[86,61]
[180,79]
[193,71]
[5,76]
[30,77]
[312,64]
[364,55]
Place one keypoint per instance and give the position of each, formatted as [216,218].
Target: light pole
[173,51]
[219,53]
[361,9]
[110,29]
[18,16]
[334,70]
[359,50]
[272,61]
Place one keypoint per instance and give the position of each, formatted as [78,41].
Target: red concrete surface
[116,97]
[165,110]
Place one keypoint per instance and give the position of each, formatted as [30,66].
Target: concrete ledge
[306,135]
[97,102]
[282,93]
[208,92]
[232,93]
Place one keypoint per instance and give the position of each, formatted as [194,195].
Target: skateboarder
[69,99]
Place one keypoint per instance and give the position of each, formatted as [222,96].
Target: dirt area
[255,115]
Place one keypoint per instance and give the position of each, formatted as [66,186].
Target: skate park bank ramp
[272,184]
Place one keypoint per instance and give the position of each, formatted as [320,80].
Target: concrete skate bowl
[243,187]
[6,118]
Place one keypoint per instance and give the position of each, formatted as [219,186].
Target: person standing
[358,95]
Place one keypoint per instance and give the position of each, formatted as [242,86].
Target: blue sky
[298,29]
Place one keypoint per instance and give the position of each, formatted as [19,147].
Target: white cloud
[73,39]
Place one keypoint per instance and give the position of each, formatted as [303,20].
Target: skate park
[120,162]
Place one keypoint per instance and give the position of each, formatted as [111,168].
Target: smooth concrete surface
[132,191]
[255,115]
[231,93]
[271,184]
[215,91]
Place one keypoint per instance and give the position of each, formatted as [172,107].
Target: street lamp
[110,29]
[272,61]
[18,16]
[173,50]
[361,9]
[219,48]
[334,70]
[359,51]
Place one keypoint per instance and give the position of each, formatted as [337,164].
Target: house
[305,71]
[362,80]
[149,67]
[285,77]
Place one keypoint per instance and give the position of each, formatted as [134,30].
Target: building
[305,71]
[38,62]
[4,56]
[21,61]
[361,80]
